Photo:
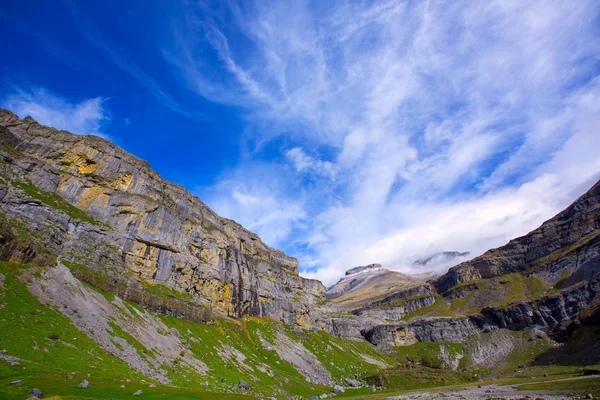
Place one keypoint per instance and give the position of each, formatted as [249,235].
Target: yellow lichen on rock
[84,164]
[92,196]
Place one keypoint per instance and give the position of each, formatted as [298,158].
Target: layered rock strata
[106,214]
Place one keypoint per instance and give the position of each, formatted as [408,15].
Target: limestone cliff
[118,225]
[561,246]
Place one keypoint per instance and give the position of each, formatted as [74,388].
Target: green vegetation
[417,377]
[342,358]
[48,345]
[50,348]
[574,387]
[55,201]
[439,308]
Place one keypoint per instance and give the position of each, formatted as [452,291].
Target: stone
[244,385]
[152,385]
[138,393]
[338,389]
[36,393]
[84,384]
[312,398]
[352,383]
[17,383]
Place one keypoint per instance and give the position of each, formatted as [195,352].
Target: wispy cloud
[86,117]
[449,126]
[259,198]
[305,163]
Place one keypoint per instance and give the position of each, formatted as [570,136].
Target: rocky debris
[93,313]
[338,389]
[484,392]
[17,382]
[303,360]
[36,393]
[352,382]
[84,384]
[567,242]
[244,385]
[11,360]
[138,393]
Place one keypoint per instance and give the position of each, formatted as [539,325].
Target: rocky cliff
[119,226]
[559,248]
[552,314]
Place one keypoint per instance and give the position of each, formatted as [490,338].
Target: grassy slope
[495,292]
[50,348]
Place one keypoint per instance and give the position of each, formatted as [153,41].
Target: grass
[578,386]
[496,292]
[418,377]
[49,344]
[439,308]
[50,348]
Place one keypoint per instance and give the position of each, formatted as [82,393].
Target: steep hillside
[120,227]
[562,246]
[57,332]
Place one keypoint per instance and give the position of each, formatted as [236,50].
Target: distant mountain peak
[440,258]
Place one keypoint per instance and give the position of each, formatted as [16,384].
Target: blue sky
[343,133]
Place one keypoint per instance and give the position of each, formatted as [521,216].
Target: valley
[113,276]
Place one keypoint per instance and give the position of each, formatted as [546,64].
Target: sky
[342,132]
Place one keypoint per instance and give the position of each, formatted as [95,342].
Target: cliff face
[551,314]
[563,244]
[117,224]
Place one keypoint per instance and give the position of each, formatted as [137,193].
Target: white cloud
[257,198]
[453,126]
[86,117]
[305,163]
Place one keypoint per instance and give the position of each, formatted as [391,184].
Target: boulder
[338,389]
[84,384]
[352,382]
[244,385]
[36,393]
[17,383]
[138,393]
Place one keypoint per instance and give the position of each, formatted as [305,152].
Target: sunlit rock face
[137,229]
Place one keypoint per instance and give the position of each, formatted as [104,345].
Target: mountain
[362,287]
[114,280]
[441,260]
[90,205]
[567,245]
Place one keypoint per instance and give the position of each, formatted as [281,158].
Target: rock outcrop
[563,244]
[121,227]
[551,314]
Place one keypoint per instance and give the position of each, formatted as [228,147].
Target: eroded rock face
[550,314]
[566,242]
[130,227]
